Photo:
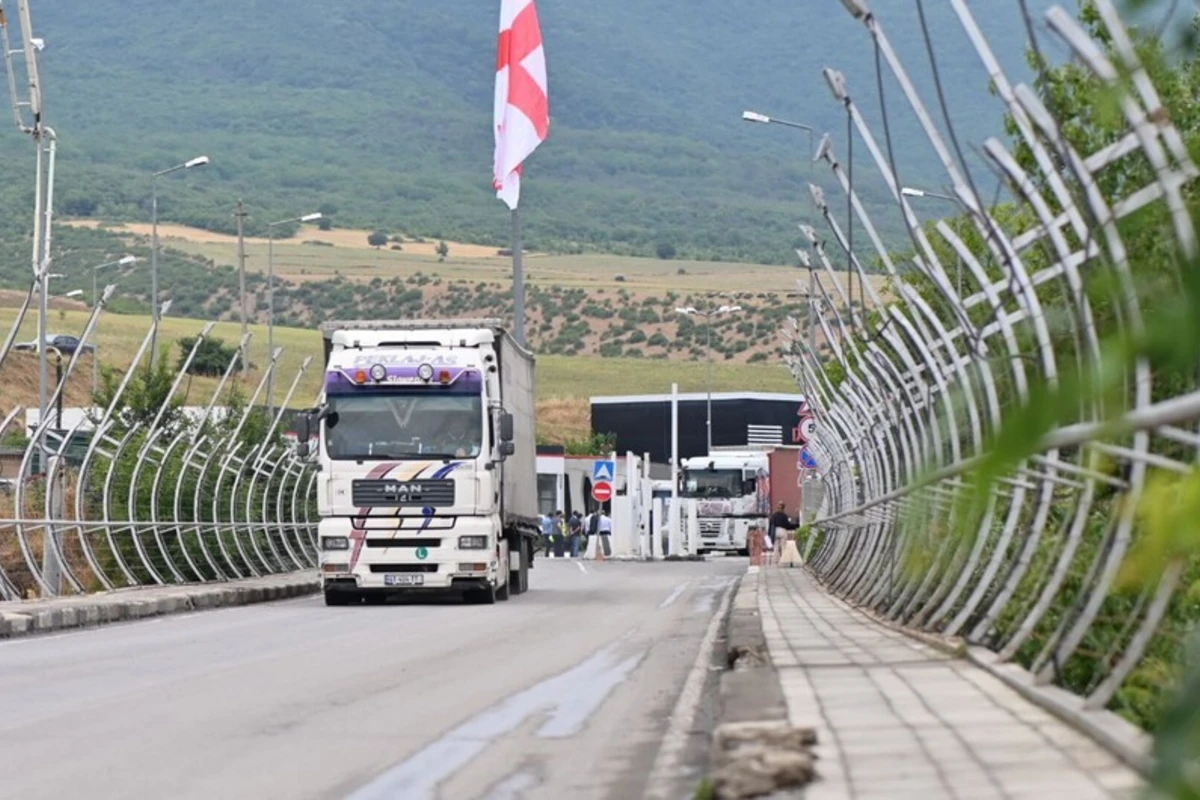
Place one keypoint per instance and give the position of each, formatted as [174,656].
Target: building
[565,481]
[642,423]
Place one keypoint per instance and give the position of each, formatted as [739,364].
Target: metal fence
[136,496]
[911,388]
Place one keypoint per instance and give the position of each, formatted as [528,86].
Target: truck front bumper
[410,560]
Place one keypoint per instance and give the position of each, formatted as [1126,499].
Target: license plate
[404,580]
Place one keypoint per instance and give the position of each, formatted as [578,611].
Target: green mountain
[382,110]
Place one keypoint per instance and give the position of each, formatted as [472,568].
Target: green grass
[119,337]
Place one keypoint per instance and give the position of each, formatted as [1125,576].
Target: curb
[749,689]
[122,606]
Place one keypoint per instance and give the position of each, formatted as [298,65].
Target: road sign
[604,471]
[804,432]
[806,459]
[602,492]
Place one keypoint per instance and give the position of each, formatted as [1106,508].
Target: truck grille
[404,543]
[710,527]
[433,494]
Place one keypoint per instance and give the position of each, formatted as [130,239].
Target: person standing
[604,528]
[560,534]
[575,532]
[547,532]
[780,522]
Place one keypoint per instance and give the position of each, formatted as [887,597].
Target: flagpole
[518,280]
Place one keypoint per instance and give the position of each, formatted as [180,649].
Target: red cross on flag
[522,103]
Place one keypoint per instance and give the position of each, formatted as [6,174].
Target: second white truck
[427,477]
[731,493]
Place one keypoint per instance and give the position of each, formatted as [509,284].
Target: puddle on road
[569,699]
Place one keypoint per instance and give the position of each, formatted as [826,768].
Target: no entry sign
[602,491]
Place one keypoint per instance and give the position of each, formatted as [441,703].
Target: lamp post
[271,297]
[121,262]
[909,191]
[707,315]
[754,116]
[198,161]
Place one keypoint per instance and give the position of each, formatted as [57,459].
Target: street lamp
[316,215]
[754,116]
[707,315]
[198,161]
[909,191]
[124,261]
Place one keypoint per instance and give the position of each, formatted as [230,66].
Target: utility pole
[240,214]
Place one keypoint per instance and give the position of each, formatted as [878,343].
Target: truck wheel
[503,592]
[518,579]
[334,598]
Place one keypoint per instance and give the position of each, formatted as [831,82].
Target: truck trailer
[424,437]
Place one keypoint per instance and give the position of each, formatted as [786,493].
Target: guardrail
[155,498]
[919,394]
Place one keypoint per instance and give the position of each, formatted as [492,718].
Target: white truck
[424,437]
[731,494]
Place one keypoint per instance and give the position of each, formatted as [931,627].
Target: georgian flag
[522,112]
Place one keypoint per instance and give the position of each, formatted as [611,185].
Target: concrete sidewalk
[26,617]
[896,718]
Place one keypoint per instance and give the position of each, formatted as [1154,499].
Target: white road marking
[674,595]
[582,568]
[668,763]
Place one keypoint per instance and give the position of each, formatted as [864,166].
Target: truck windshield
[399,424]
[712,483]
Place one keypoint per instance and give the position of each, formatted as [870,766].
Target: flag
[522,111]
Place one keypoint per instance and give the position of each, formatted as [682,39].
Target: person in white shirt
[605,531]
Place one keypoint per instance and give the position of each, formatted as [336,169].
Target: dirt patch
[15,298]
[338,237]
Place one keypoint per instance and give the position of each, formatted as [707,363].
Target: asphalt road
[589,686]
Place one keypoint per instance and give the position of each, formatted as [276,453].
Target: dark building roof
[642,423]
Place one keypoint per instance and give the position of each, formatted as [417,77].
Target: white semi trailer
[424,436]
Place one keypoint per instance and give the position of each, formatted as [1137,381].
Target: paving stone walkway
[896,718]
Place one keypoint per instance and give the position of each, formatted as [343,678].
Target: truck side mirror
[507,449]
[506,427]
[304,428]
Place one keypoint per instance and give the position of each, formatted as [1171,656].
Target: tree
[442,250]
[665,250]
[377,239]
[325,224]
[212,358]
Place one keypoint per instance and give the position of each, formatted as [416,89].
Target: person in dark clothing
[780,521]
[575,530]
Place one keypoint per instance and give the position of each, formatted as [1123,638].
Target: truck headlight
[378,372]
[425,372]
[335,543]
[472,543]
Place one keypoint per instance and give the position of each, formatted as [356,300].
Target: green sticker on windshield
[422,553]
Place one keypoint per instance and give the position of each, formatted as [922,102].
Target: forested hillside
[382,111]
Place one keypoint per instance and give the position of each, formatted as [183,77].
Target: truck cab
[730,494]
[425,446]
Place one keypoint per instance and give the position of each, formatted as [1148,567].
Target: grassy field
[345,252]
[563,382]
